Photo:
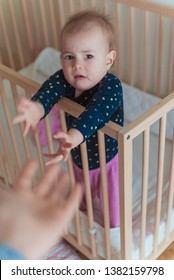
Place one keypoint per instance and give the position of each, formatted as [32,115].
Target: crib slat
[29,33]
[36,31]
[53,24]
[173,79]
[102,158]
[125,187]
[150,6]
[8,164]
[71,174]
[72,180]
[88,196]
[7,158]
[170,194]
[7,40]
[160,52]
[159,179]
[39,151]
[132,46]
[77,214]
[4,174]
[16,34]
[61,13]
[71,7]
[44,24]
[146,136]
[118,65]
[171,58]
[146,25]
[81,5]
[49,135]
[15,97]
[93,3]
[24,139]
[8,117]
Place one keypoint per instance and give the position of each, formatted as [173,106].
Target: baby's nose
[77,65]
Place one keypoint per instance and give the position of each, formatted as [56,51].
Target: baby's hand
[29,112]
[65,146]
[67,142]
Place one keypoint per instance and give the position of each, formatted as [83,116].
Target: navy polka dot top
[103,102]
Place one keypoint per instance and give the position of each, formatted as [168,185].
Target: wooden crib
[145,61]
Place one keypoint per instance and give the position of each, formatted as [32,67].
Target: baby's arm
[67,141]
[42,102]
[29,112]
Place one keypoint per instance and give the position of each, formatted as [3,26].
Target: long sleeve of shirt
[104,105]
[8,253]
[51,91]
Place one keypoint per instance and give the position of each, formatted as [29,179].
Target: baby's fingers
[61,136]
[18,119]
[26,175]
[26,129]
[21,119]
[49,155]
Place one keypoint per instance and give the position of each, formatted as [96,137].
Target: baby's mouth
[79,77]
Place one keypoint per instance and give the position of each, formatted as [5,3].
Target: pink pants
[55,126]
[96,189]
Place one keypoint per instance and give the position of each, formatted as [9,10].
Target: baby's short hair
[85,20]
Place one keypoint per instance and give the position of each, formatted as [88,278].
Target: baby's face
[85,58]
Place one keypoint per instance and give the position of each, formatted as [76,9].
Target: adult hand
[34,217]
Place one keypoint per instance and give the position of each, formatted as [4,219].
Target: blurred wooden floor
[168,254]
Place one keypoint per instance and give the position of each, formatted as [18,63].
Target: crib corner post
[125,185]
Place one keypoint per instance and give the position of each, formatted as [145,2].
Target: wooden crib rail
[65,104]
[12,86]
[15,77]
[70,107]
[148,5]
[141,126]
[149,117]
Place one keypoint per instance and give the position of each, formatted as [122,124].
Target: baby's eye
[68,57]
[89,56]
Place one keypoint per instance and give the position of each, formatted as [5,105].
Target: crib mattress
[115,236]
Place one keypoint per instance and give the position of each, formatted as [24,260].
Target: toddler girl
[87,54]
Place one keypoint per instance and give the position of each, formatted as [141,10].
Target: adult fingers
[26,175]
[61,188]
[72,201]
[48,179]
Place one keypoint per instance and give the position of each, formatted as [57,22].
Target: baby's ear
[111,56]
